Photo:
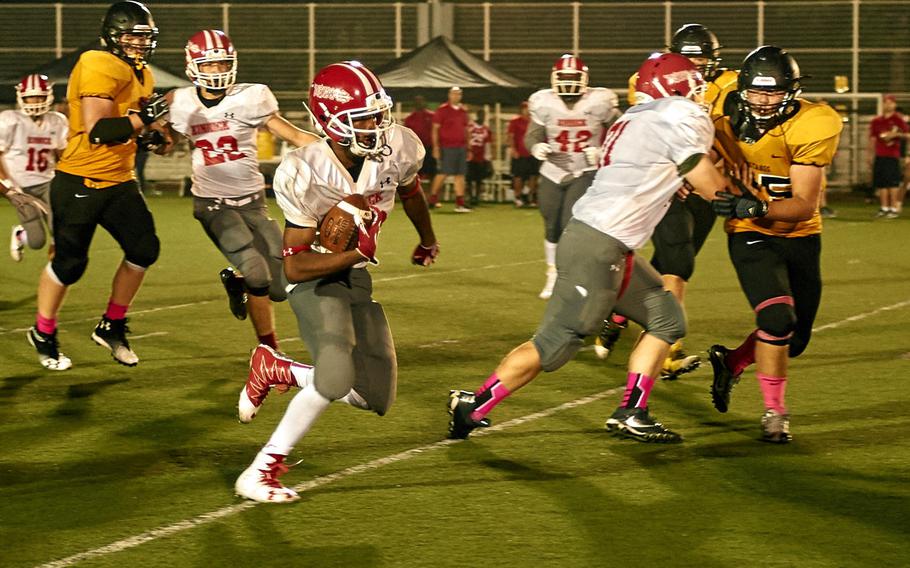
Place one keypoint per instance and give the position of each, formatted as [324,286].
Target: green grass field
[135,466]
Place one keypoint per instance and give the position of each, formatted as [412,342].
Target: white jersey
[30,146]
[569,131]
[639,176]
[311,180]
[225,149]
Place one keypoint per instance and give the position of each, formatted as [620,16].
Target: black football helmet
[767,68]
[129,18]
[695,40]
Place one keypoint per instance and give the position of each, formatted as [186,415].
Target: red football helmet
[569,76]
[343,93]
[35,86]
[668,75]
[211,46]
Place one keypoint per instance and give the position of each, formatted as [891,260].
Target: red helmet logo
[211,46]
[668,75]
[569,76]
[35,86]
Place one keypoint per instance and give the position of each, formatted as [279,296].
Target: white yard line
[315,483]
[134,313]
[206,518]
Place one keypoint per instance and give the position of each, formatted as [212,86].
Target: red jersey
[479,138]
[421,122]
[882,124]
[452,121]
[518,126]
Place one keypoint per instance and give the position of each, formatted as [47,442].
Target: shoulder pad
[816,121]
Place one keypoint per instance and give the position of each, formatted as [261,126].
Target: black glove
[738,206]
[151,140]
[154,108]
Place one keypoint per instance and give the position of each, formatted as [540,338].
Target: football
[338,229]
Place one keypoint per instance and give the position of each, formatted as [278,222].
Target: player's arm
[806,185]
[702,176]
[302,264]
[6,182]
[415,207]
[436,151]
[282,128]
[106,126]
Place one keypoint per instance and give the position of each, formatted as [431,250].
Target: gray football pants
[349,338]
[555,201]
[33,221]
[592,282]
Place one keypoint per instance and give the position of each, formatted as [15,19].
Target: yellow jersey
[715,92]
[809,137]
[103,74]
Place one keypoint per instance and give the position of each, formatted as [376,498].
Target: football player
[774,228]
[344,328]
[31,139]
[568,122]
[220,117]
[684,229]
[110,103]
[646,156]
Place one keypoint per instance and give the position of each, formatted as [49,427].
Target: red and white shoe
[268,369]
[260,482]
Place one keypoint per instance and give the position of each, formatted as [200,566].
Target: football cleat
[547,291]
[678,363]
[260,483]
[268,369]
[724,379]
[608,336]
[112,334]
[775,427]
[48,350]
[16,246]
[236,291]
[461,405]
[637,424]
[462,209]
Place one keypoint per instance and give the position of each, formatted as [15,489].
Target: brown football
[338,230]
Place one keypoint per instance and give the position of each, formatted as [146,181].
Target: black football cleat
[48,350]
[637,424]
[112,335]
[461,405]
[607,338]
[724,379]
[236,291]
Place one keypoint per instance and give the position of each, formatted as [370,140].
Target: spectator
[524,167]
[450,131]
[421,122]
[885,133]
[480,146]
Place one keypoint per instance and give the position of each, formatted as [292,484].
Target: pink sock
[638,387]
[772,389]
[618,319]
[115,311]
[491,380]
[269,339]
[492,394]
[742,356]
[45,325]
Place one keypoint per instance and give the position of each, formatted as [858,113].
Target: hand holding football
[338,229]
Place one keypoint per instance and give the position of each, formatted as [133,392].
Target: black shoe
[724,379]
[112,334]
[637,424]
[48,349]
[461,405]
[607,338]
[236,291]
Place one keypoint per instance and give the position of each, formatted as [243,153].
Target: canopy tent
[431,69]
[58,71]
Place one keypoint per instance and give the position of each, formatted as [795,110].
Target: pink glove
[425,256]
[368,235]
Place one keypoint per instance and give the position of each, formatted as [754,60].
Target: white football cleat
[16,246]
[260,482]
[548,287]
[268,369]
[48,350]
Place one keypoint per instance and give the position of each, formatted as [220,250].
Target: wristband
[413,191]
[291,251]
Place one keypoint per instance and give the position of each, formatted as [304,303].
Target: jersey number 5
[225,148]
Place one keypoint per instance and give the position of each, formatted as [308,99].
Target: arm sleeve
[291,182]
[267,105]
[7,130]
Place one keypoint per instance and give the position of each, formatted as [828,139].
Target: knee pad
[335,372]
[676,259]
[254,268]
[776,320]
[35,235]
[666,320]
[68,270]
[375,361]
[556,347]
[800,341]
[145,251]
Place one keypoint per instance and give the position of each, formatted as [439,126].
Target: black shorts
[525,167]
[478,171]
[769,267]
[428,169]
[886,172]
[680,235]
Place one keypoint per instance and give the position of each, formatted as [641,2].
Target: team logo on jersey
[385,182]
[332,93]
[228,115]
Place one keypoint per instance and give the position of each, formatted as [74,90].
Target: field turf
[104,465]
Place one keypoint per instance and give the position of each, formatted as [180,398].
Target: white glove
[541,150]
[592,155]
